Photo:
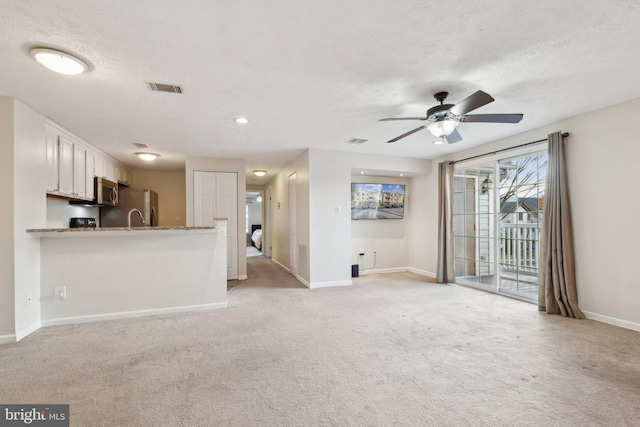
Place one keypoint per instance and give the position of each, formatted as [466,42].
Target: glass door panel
[473,226]
[521,193]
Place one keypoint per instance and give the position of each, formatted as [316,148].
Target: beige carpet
[392,350]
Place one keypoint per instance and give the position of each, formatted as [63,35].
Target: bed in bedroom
[256,235]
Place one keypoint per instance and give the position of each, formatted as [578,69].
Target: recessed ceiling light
[241,120]
[259,172]
[60,62]
[401,174]
[361,172]
[146,156]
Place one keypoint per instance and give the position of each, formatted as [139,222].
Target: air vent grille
[356,141]
[141,145]
[160,87]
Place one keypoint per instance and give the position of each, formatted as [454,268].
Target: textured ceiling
[312,74]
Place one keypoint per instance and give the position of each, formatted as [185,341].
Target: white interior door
[227,207]
[293,238]
[216,196]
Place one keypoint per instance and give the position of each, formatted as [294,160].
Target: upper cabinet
[124,175]
[72,164]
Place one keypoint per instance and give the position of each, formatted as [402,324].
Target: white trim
[242,277]
[318,285]
[421,272]
[398,270]
[132,314]
[287,270]
[612,320]
[383,270]
[303,281]
[27,331]
[7,339]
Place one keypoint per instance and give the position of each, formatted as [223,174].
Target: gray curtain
[444,273]
[557,280]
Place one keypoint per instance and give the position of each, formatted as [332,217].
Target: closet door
[216,196]
[227,207]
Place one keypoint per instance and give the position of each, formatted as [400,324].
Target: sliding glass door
[497,215]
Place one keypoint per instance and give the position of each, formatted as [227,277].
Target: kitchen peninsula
[111,273]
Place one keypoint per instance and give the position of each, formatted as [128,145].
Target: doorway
[497,219]
[254,229]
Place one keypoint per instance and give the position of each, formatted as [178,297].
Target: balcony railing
[519,247]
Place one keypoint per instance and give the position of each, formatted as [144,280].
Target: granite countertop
[118,231]
[103,229]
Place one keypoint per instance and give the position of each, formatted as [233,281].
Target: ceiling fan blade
[406,134]
[472,102]
[493,118]
[453,137]
[403,118]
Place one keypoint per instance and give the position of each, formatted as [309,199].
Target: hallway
[264,273]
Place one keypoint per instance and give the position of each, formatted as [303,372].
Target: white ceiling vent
[160,87]
[141,145]
[355,141]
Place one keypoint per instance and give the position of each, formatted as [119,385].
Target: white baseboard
[422,272]
[303,281]
[31,329]
[398,270]
[612,321]
[317,285]
[8,339]
[285,268]
[383,270]
[132,314]
[242,277]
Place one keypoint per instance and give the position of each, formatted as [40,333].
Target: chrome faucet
[139,213]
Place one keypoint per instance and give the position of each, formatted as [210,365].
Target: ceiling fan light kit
[444,118]
[442,128]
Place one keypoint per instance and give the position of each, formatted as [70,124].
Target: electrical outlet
[60,292]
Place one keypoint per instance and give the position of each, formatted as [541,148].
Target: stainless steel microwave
[106,192]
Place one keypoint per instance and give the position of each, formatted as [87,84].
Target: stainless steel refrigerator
[146,201]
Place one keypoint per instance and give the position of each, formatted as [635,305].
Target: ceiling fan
[444,118]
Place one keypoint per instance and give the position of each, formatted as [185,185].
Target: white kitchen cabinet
[124,175]
[72,164]
[90,161]
[105,168]
[65,166]
[52,161]
[79,171]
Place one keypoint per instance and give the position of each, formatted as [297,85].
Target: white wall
[220,165]
[330,218]
[23,167]
[7,289]
[31,211]
[387,237]
[255,213]
[59,212]
[323,184]
[156,272]
[280,212]
[171,189]
[602,181]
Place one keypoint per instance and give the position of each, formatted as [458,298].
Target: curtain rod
[564,135]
